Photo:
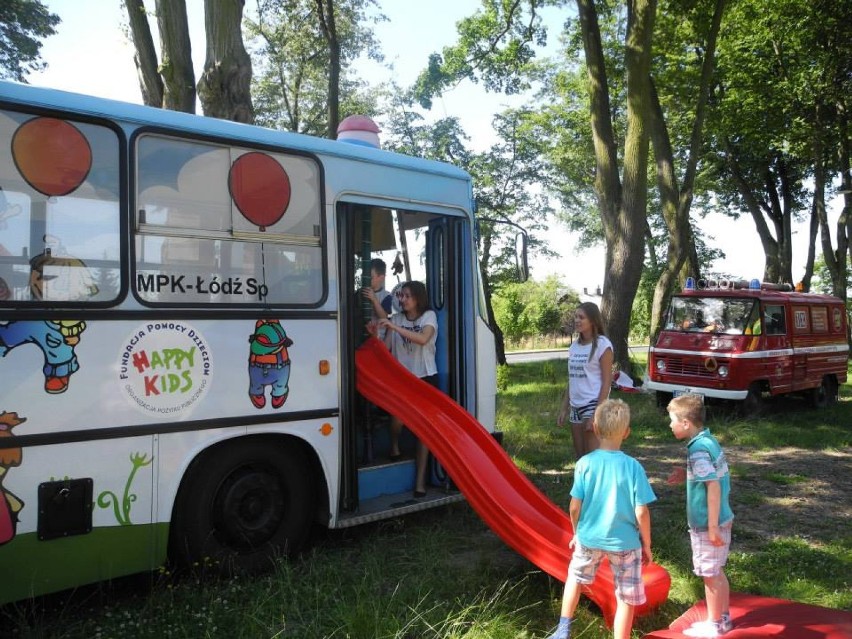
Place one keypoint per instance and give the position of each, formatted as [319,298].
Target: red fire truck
[742,341]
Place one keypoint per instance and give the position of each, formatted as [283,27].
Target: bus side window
[60,211]
[775,322]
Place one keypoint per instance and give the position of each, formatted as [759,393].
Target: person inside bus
[379,297]
[411,336]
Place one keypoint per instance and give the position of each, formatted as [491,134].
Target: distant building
[595,296]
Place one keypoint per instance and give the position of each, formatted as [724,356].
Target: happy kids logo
[165,368]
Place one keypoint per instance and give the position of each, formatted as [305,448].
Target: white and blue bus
[178,321]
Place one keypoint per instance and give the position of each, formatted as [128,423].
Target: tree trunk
[225,84]
[679,236]
[771,249]
[328,26]
[499,342]
[145,56]
[677,202]
[176,56]
[624,218]
[844,222]
[835,261]
[813,228]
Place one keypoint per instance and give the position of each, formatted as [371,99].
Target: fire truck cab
[742,341]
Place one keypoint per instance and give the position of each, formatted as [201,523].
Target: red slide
[504,498]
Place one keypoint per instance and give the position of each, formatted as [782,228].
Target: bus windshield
[732,316]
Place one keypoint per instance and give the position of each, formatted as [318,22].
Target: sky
[92,54]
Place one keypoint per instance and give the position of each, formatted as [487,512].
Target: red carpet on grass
[762,617]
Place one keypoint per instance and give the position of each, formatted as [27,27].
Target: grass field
[442,574]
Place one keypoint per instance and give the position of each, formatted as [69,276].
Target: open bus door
[431,245]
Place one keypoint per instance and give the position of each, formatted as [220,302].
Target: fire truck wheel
[752,405]
[663,399]
[240,507]
[824,394]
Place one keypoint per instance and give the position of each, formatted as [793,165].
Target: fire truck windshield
[732,316]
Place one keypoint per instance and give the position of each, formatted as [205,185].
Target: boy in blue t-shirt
[708,513]
[609,513]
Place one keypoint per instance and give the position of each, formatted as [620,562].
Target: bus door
[438,286]
[365,232]
[428,244]
[450,293]
[451,296]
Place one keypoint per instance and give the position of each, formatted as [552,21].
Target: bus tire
[242,506]
[825,394]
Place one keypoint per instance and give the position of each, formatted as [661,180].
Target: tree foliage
[495,45]
[508,180]
[304,51]
[780,124]
[23,25]
[533,308]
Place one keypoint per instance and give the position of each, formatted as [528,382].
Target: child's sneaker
[563,630]
[709,629]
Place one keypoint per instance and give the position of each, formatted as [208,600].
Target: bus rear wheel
[242,506]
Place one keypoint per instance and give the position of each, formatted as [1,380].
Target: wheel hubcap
[249,509]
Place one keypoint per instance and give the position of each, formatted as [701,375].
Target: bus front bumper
[681,389]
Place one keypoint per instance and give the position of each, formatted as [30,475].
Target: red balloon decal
[52,155]
[260,188]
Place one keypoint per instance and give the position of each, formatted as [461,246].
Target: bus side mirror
[521,243]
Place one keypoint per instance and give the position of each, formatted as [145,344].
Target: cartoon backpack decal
[10,505]
[55,338]
[269,363]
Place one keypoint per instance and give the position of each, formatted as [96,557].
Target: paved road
[562,353]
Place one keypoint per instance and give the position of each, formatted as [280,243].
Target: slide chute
[506,500]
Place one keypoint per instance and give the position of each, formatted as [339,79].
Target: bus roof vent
[359,129]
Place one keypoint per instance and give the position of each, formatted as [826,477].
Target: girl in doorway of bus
[590,359]
[411,336]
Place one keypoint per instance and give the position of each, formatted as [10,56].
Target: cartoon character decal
[10,505]
[55,338]
[269,363]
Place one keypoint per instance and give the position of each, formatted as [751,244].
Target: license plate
[684,391]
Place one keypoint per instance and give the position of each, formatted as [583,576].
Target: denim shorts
[626,571]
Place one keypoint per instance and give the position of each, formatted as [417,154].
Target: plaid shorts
[707,559]
[626,570]
[579,414]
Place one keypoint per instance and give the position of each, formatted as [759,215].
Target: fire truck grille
[687,367]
